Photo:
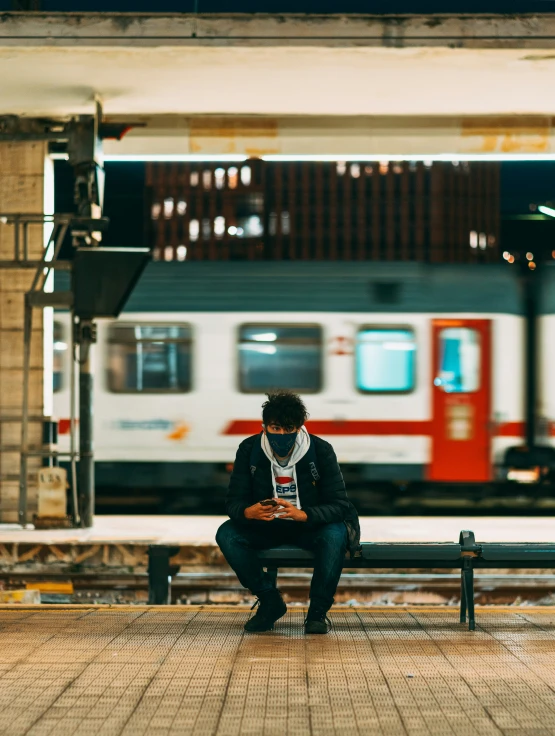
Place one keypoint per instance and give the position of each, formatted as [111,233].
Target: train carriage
[414,372]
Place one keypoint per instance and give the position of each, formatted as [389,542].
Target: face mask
[282,444]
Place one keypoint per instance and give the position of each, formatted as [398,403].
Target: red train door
[461,360]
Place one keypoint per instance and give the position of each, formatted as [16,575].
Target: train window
[60,348]
[459,360]
[385,359]
[280,356]
[149,358]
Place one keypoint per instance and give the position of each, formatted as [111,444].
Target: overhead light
[428,158]
[175,157]
[546,210]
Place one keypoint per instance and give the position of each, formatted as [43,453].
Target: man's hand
[286,510]
[260,512]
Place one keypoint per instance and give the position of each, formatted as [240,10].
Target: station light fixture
[546,210]
[427,158]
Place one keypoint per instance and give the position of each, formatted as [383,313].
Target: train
[416,373]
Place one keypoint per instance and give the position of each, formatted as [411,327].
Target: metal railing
[37,297]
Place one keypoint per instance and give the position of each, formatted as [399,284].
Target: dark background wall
[127,204]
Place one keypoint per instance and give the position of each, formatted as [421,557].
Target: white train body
[427,432]
[197,426]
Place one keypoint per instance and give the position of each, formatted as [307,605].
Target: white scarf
[300,448]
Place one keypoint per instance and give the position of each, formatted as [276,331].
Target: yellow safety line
[480,610]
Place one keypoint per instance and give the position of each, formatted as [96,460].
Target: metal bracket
[469,551]
[160,574]
[467,593]
[56,299]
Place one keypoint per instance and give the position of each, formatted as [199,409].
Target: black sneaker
[270,607]
[316,621]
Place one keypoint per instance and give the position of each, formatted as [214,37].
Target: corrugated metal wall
[400,288]
[388,211]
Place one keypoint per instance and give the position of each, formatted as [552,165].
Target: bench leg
[463,607]
[272,572]
[160,574]
[468,585]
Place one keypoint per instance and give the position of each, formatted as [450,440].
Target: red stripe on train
[353,427]
[64,425]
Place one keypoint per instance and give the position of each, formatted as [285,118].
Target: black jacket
[324,501]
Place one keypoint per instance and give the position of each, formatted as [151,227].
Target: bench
[466,555]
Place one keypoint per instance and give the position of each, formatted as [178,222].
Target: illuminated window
[275,356]
[207,179]
[246,176]
[285,223]
[194,230]
[168,208]
[219,226]
[252,227]
[168,253]
[473,239]
[149,358]
[459,360]
[181,252]
[341,168]
[272,223]
[181,207]
[156,210]
[194,178]
[206,228]
[385,360]
[232,176]
[355,171]
[219,178]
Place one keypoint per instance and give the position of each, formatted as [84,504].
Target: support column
[21,191]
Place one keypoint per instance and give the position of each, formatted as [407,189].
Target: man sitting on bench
[286,488]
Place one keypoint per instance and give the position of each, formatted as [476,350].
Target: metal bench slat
[416,551]
[523,552]
[376,552]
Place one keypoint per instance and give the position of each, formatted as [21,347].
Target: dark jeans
[328,542]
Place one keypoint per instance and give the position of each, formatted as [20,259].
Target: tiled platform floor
[191,670]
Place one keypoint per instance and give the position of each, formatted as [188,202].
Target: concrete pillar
[22,190]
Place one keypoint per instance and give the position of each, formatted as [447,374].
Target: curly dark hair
[284,408]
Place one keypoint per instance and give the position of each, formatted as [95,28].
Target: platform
[108,562]
[193,670]
[201,530]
